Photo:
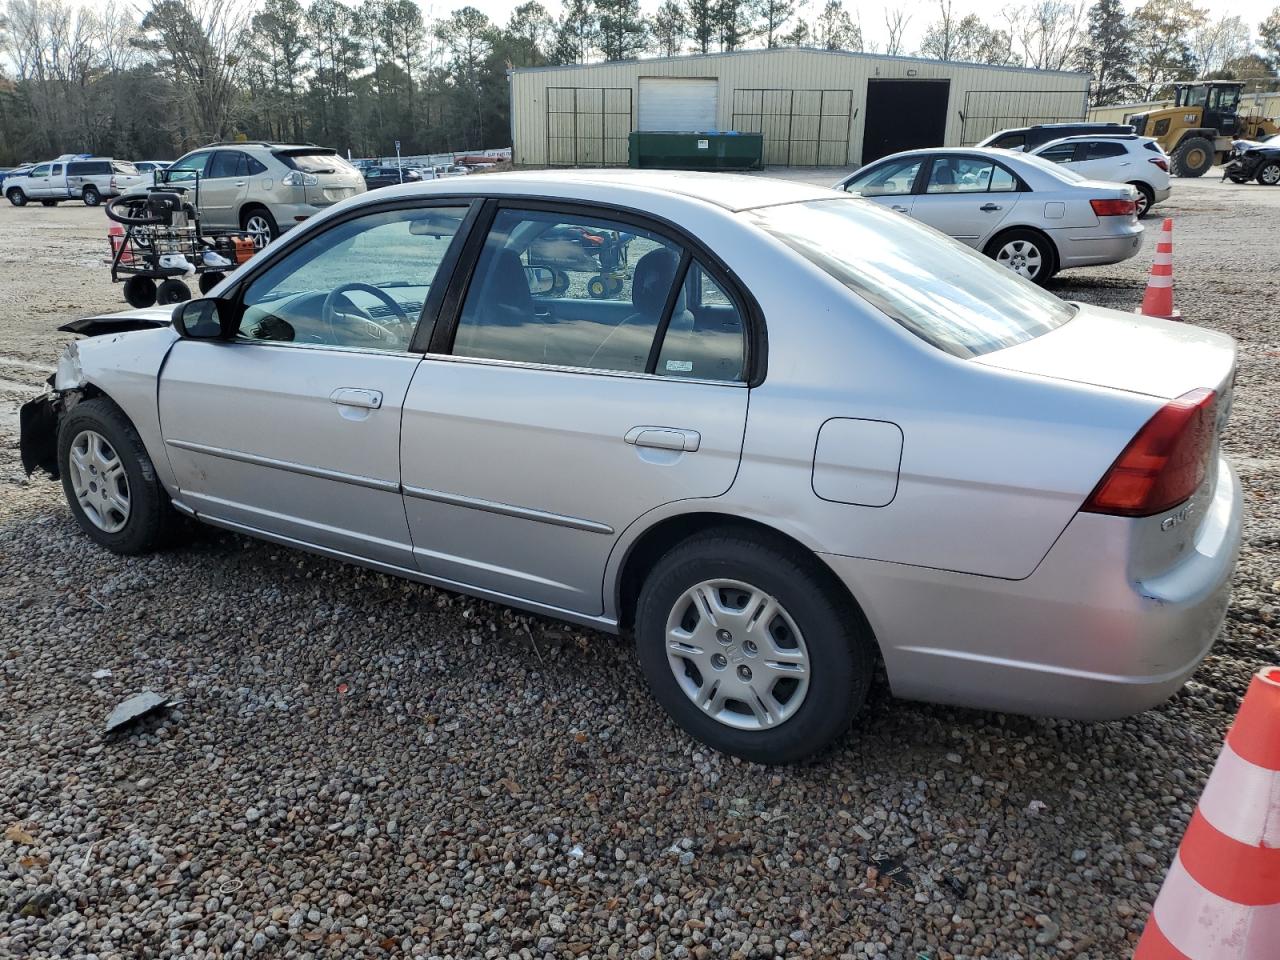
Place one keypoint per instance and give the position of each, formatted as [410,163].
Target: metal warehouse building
[814,107]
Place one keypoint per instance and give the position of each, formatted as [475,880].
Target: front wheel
[751,648]
[1269,175]
[109,479]
[1025,252]
[91,196]
[1192,158]
[17,197]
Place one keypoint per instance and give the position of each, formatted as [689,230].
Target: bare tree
[1048,32]
[1219,42]
[895,23]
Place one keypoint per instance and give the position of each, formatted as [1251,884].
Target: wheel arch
[648,547]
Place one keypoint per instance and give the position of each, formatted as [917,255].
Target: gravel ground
[364,766]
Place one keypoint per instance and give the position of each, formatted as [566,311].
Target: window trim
[926,171]
[755,340]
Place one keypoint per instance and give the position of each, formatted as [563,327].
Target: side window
[888,180]
[1103,149]
[253,166]
[77,169]
[57,169]
[1002,181]
[1011,142]
[227,163]
[187,167]
[1062,153]
[960,175]
[706,336]
[569,291]
[362,283]
[40,171]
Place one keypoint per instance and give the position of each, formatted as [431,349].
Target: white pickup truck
[91,180]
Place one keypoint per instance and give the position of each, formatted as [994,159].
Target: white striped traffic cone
[1158,299]
[1221,898]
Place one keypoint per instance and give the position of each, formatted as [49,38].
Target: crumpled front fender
[38,433]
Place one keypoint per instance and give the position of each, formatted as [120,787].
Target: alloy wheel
[737,654]
[1022,257]
[1144,204]
[1270,174]
[99,480]
[259,229]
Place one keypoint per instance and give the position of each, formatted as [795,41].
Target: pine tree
[668,28]
[774,15]
[1108,54]
[623,29]
[700,15]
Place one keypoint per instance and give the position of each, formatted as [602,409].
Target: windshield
[942,291]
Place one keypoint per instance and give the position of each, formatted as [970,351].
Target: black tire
[1192,158]
[48,203]
[1146,198]
[172,291]
[152,521]
[91,196]
[1023,242]
[253,215]
[208,281]
[1269,173]
[140,292]
[838,643]
[1235,179]
[17,197]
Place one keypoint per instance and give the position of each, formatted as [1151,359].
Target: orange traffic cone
[1221,898]
[1158,300]
[115,236]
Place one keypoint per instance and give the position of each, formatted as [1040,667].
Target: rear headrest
[652,279]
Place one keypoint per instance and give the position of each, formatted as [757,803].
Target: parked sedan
[375,177]
[1025,213]
[1137,161]
[801,438]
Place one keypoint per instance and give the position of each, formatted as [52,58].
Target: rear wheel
[751,648]
[1269,175]
[110,481]
[17,197]
[140,292]
[1026,253]
[172,290]
[260,225]
[210,280]
[1192,158]
[91,196]
[1146,198]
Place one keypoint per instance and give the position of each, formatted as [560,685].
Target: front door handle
[990,207]
[899,208]
[357,397]
[664,438]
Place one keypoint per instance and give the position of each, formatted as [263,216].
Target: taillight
[1160,162]
[1164,464]
[1114,208]
[113,184]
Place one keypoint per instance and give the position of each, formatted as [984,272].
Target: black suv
[1028,138]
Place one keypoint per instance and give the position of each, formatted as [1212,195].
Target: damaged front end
[38,419]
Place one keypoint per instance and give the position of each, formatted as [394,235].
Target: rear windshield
[124,167]
[313,160]
[942,291]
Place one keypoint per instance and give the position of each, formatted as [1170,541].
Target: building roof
[814,51]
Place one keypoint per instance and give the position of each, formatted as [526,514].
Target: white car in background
[1138,161]
[1026,213]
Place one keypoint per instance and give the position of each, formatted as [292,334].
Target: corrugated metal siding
[982,98]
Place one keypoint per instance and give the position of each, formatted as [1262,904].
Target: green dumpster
[696,151]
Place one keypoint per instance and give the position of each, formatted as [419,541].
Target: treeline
[104,79]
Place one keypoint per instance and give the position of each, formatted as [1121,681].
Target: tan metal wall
[993,96]
[1266,104]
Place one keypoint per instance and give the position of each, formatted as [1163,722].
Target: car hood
[98,324]
[1125,351]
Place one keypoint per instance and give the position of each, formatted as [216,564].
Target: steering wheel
[330,312]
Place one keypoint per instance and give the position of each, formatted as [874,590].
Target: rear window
[128,169]
[313,161]
[942,291]
[88,168]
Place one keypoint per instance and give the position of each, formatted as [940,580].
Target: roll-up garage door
[671,103]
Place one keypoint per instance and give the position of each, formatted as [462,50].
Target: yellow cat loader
[1196,132]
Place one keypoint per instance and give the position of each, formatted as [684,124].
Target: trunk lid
[1126,351]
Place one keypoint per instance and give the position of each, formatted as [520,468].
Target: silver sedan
[1026,213]
[784,436]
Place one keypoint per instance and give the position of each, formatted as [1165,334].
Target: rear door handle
[664,438]
[989,207]
[357,397]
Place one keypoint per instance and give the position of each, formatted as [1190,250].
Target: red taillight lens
[1113,208]
[1164,464]
[1161,163]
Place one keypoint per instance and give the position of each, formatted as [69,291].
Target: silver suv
[262,188]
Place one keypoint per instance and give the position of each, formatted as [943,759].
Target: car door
[292,428]
[890,182]
[37,182]
[186,173]
[223,189]
[967,197]
[545,422]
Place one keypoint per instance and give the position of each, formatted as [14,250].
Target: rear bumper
[289,215]
[1089,246]
[1162,193]
[1080,638]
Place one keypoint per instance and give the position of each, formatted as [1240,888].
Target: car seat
[627,345]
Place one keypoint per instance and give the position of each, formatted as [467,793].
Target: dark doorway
[904,115]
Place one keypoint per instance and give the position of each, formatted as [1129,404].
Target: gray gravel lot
[366,767]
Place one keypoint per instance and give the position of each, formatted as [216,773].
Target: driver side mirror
[209,318]
[542,280]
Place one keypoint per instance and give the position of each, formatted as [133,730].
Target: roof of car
[732,192]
